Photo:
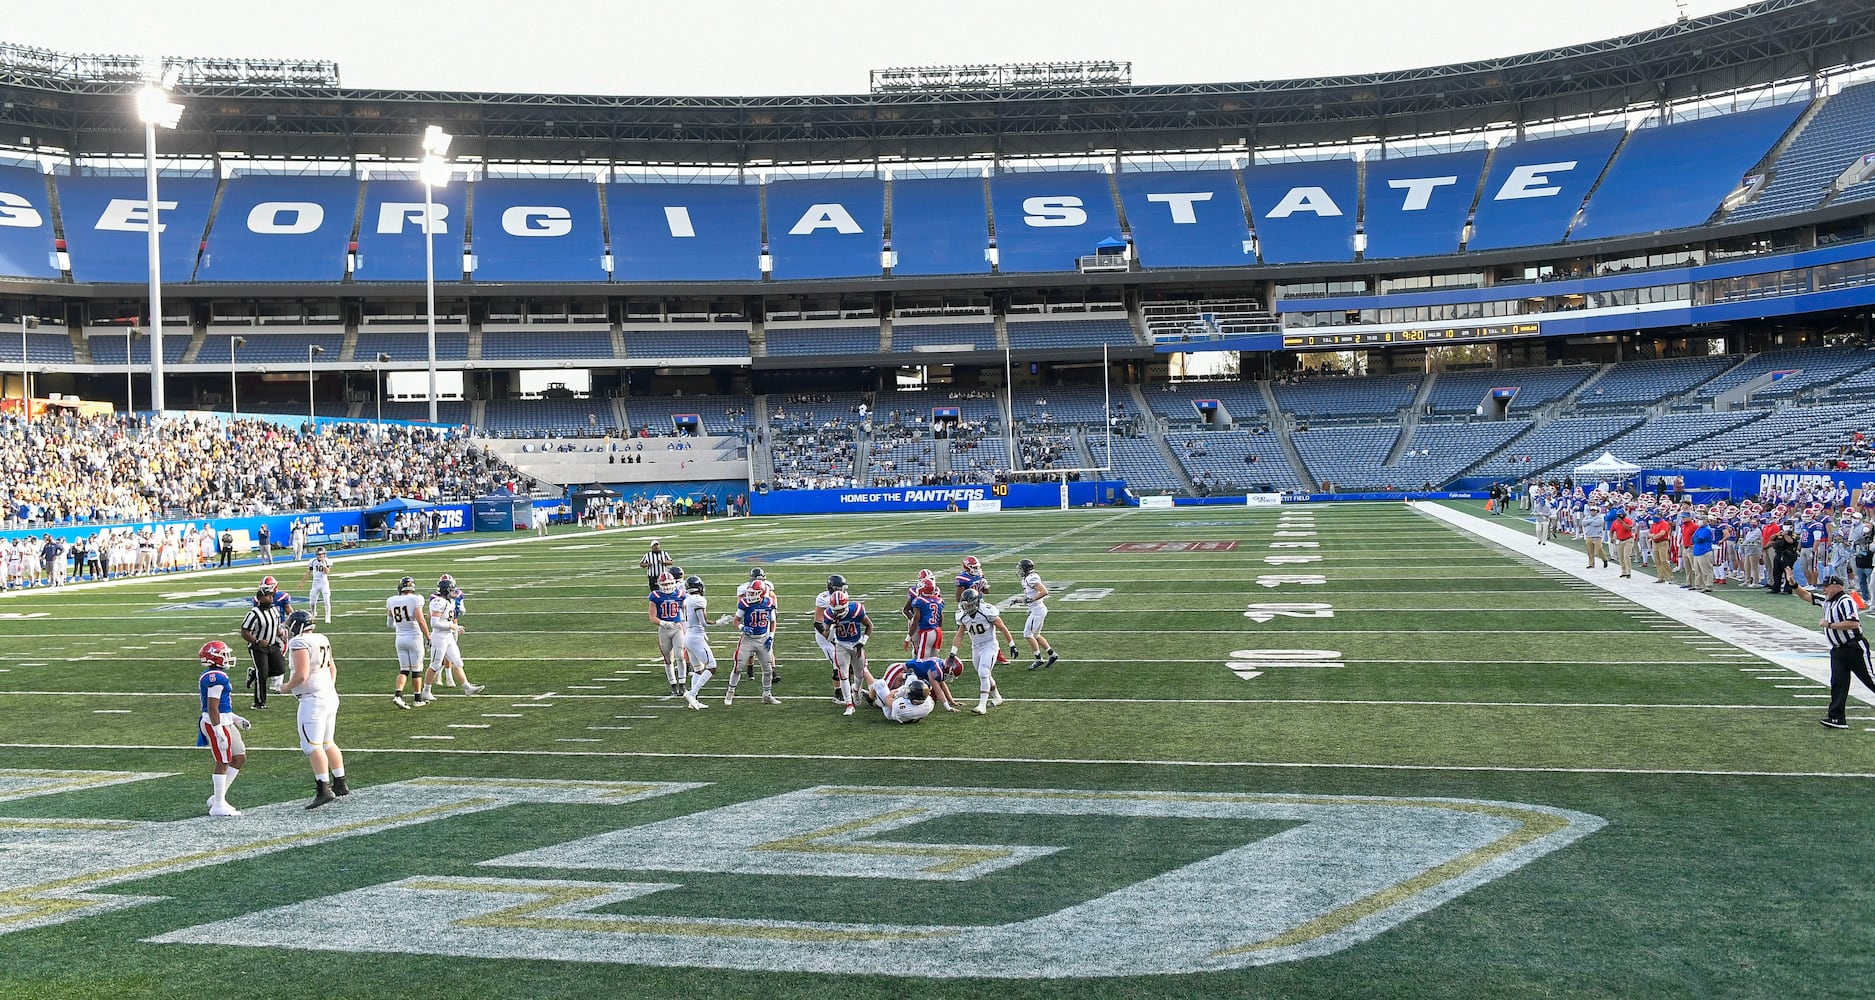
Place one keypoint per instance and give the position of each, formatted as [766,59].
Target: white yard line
[1790,646]
[928,758]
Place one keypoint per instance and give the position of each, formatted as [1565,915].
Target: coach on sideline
[1848,648]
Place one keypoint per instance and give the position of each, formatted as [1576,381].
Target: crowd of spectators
[64,469]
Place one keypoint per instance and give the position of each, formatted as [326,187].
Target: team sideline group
[290,656]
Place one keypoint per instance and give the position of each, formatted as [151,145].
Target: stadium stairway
[1568,402]
[885,333]
[1615,154]
[81,347]
[475,343]
[348,348]
[478,413]
[1002,332]
[620,418]
[197,337]
[1172,463]
[618,342]
[758,344]
[1687,397]
[1290,454]
[1083,455]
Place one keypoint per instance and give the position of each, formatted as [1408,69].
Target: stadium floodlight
[234,387]
[436,141]
[155,108]
[312,406]
[434,172]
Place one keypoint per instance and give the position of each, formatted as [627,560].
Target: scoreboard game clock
[1418,335]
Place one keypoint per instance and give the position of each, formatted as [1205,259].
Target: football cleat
[322,794]
[398,700]
[769,699]
[691,700]
[222,809]
[729,697]
[979,710]
[1053,658]
[849,709]
[339,787]
[216,655]
[471,689]
[996,697]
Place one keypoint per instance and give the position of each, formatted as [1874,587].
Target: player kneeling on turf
[220,729]
[907,703]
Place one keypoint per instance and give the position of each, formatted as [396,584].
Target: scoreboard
[1418,335]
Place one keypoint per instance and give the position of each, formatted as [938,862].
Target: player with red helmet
[219,728]
[924,632]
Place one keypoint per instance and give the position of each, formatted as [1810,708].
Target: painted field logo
[217,604]
[857,550]
[1174,547]
[1340,870]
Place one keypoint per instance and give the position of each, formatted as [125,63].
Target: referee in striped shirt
[261,629]
[1848,648]
[654,564]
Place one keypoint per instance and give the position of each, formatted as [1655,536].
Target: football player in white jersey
[445,627]
[697,642]
[313,679]
[983,624]
[1034,594]
[403,614]
[905,704]
[319,571]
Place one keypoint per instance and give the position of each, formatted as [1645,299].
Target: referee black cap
[1832,579]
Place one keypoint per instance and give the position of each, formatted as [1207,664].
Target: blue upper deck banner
[25,225]
[826,229]
[1674,176]
[107,226]
[1536,187]
[685,232]
[537,230]
[940,226]
[1186,218]
[1304,211]
[390,233]
[281,229]
[1416,205]
[1048,221]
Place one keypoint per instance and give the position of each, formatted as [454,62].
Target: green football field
[1327,751]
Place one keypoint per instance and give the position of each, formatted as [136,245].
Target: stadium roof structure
[43,103]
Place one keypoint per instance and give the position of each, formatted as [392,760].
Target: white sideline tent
[1606,467]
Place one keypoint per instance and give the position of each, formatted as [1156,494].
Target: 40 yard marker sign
[1337,871]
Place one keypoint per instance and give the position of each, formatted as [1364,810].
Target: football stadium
[1386,535]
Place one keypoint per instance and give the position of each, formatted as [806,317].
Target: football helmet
[298,622]
[953,667]
[759,590]
[1025,566]
[667,584]
[263,596]
[269,584]
[973,567]
[836,582]
[916,692]
[406,586]
[676,572]
[925,574]
[838,603]
[693,584]
[216,655]
[971,600]
[757,574]
[927,588]
[445,585]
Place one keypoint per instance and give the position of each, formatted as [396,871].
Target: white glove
[240,723]
[861,641]
[725,619]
